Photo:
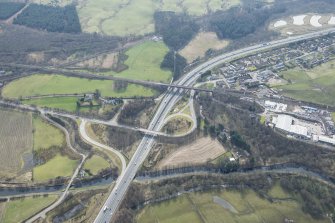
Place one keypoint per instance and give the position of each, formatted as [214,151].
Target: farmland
[200,44]
[46,135]
[50,84]
[64,103]
[200,151]
[16,140]
[237,207]
[108,17]
[57,166]
[95,164]
[315,85]
[19,210]
[144,63]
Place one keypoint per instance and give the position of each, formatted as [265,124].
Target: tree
[50,18]
[97,94]
[7,9]
[238,22]
[120,85]
[177,30]
[175,63]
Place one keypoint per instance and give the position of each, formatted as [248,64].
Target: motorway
[169,100]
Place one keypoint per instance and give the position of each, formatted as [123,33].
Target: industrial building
[288,124]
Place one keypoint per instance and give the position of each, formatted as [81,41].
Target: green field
[46,135]
[19,210]
[144,63]
[295,75]
[107,17]
[333,116]
[123,17]
[315,85]
[64,103]
[95,164]
[41,84]
[57,166]
[249,206]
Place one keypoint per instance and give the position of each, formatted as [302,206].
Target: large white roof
[286,123]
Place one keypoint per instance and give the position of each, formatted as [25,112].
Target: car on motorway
[105,208]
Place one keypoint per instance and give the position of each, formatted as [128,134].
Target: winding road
[84,135]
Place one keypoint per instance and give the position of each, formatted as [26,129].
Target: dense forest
[241,21]
[175,63]
[177,30]
[7,9]
[53,19]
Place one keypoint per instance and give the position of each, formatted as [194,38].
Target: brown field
[200,151]
[103,62]
[200,44]
[16,139]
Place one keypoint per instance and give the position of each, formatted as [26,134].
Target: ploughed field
[16,140]
[200,151]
